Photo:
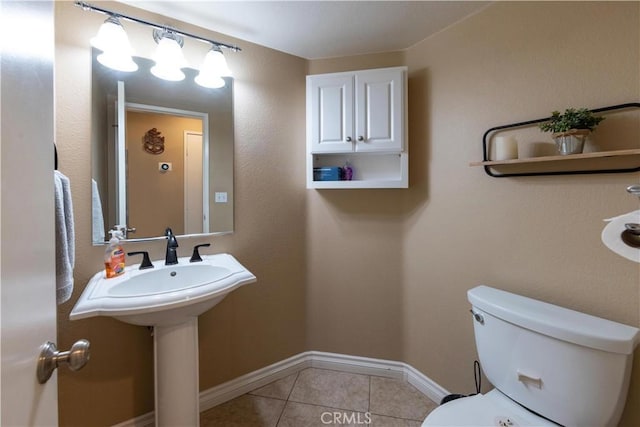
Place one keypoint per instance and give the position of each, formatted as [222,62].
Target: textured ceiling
[320,29]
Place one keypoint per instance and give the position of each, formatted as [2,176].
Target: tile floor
[321,397]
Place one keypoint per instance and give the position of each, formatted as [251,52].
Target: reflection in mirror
[166,148]
[162,154]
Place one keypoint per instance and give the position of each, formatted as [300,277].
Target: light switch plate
[221,197]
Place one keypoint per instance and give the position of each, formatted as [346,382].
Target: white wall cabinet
[360,118]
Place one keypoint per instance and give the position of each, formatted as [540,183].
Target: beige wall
[388,271]
[380,273]
[537,236]
[354,243]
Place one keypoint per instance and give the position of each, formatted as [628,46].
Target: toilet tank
[567,366]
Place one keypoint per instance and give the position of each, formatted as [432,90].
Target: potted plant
[571,128]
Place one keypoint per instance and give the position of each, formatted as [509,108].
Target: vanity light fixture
[116,50]
[213,69]
[114,43]
[168,57]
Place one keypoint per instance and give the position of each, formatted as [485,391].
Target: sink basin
[173,279]
[164,295]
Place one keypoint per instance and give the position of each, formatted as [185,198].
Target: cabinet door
[379,110]
[330,113]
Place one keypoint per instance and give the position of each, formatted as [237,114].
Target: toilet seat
[491,409]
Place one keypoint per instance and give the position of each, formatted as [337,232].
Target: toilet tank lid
[554,321]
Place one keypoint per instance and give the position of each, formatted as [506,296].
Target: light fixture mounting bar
[87,6]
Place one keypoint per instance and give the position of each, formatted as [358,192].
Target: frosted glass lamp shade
[169,60]
[167,73]
[213,68]
[116,50]
[117,61]
[111,36]
[212,82]
[215,63]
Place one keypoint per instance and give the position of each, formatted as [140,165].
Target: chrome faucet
[171,256]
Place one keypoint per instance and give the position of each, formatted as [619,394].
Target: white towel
[65,238]
[96,214]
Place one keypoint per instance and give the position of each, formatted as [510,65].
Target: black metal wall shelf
[493,167]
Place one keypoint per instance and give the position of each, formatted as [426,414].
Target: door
[27,260]
[330,109]
[379,105]
[194,219]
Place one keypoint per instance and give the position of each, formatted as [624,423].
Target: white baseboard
[310,359]
[424,384]
[253,380]
[146,420]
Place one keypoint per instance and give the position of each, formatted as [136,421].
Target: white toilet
[549,365]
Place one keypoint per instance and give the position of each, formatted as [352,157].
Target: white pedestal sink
[170,298]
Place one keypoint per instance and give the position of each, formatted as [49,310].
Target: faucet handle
[196,254]
[146,262]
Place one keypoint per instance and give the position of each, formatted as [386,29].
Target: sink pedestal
[176,369]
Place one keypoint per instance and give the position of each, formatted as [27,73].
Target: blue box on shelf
[328,173]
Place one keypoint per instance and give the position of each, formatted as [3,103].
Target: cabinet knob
[361,138]
[348,139]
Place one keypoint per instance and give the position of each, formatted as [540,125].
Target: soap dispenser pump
[114,260]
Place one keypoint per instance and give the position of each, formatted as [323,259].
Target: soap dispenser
[114,261]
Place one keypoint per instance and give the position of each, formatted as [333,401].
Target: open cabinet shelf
[371,170]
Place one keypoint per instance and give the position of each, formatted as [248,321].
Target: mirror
[162,154]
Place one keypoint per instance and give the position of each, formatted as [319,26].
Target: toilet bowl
[549,365]
[491,409]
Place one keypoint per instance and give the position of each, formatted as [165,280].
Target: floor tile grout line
[294,384]
[257,395]
[286,401]
[369,405]
[326,406]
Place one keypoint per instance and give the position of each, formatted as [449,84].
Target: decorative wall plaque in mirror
[162,154]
